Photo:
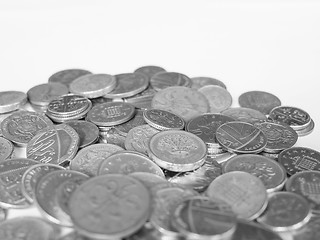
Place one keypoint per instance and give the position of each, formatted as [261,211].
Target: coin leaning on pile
[154,154]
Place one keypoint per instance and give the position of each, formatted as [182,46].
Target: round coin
[245,114]
[245,193]
[110,206]
[198,82]
[6,148]
[183,101]
[241,137]
[163,80]
[11,100]
[163,120]
[150,70]
[67,76]
[177,150]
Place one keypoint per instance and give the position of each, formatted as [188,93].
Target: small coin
[93,85]
[297,159]
[150,71]
[6,148]
[245,114]
[163,120]
[53,193]
[163,80]
[245,193]
[89,158]
[67,76]
[110,206]
[128,84]
[241,137]
[11,100]
[183,101]
[259,100]
[219,98]
[198,82]
[136,120]
[177,150]
[287,211]
[20,127]
[56,145]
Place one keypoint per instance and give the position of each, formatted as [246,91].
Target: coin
[89,158]
[150,70]
[53,192]
[138,138]
[259,100]
[128,84]
[43,94]
[136,120]
[110,206]
[241,137]
[297,159]
[307,130]
[270,172]
[20,127]
[163,120]
[177,150]
[93,85]
[125,162]
[11,100]
[245,193]
[286,211]
[219,98]
[11,172]
[198,82]
[307,184]
[163,80]
[6,148]
[183,101]
[32,176]
[245,114]
[56,145]
[67,76]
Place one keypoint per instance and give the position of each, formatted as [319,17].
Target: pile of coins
[153,154]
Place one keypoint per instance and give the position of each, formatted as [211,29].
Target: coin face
[163,80]
[150,71]
[20,127]
[118,200]
[177,150]
[307,184]
[163,120]
[241,137]
[198,82]
[297,159]
[245,114]
[245,193]
[56,145]
[259,100]
[6,148]
[11,100]
[93,85]
[183,101]
[67,76]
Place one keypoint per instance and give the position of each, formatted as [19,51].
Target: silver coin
[11,100]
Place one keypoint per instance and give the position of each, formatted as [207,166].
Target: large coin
[6,148]
[183,101]
[163,120]
[245,114]
[163,80]
[11,100]
[198,82]
[110,206]
[67,76]
[150,70]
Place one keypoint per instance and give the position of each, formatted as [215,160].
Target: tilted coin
[204,218]
[27,228]
[219,98]
[198,82]
[110,206]
[270,172]
[245,193]
[67,76]
[43,94]
[150,70]
[177,150]
[20,127]
[183,101]
[293,116]
[297,159]
[241,137]
[93,85]
[245,114]
[259,100]
[32,175]
[163,120]
[142,100]
[89,158]
[136,120]
[11,172]
[128,84]
[148,179]
[53,192]
[286,211]
[87,131]
[163,80]
[6,148]
[307,184]
[57,145]
[310,231]
[110,114]
[138,138]
[11,100]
